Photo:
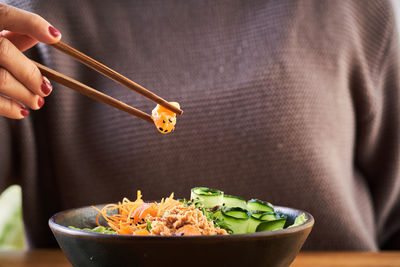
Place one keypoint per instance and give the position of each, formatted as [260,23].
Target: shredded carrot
[129,218]
[141,232]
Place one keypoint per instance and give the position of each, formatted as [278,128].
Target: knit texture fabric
[293,102]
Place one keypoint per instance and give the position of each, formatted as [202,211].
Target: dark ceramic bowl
[274,248]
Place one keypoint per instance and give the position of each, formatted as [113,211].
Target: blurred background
[11,225]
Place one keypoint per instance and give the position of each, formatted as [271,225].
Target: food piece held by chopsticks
[164,119]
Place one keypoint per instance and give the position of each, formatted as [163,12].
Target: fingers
[11,109]
[23,22]
[20,79]
[23,69]
[12,88]
[22,41]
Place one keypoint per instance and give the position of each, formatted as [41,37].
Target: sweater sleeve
[377,152]
[7,176]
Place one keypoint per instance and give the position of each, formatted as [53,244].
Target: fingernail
[46,86]
[24,111]
[40,101]
[54,32]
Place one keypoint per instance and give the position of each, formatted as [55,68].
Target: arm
[377,152]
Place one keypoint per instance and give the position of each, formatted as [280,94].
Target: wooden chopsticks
[112,74]
[90,92]
[108,72]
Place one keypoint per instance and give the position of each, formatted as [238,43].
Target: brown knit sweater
[294,102]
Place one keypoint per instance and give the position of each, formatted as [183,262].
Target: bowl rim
[66,231]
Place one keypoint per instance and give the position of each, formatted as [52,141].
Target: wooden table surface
[55,258]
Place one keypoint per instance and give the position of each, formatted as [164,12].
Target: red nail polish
[24,111]
[40,101]
[46,86]
[54,32]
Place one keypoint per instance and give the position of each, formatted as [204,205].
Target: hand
[20,80]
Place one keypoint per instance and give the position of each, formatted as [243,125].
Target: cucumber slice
[236,219]
[258,217]
[237,213]
[208,197]
[271,225]
[269,216]
[232,202]
[252,224]
[259,205]
[257,214]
